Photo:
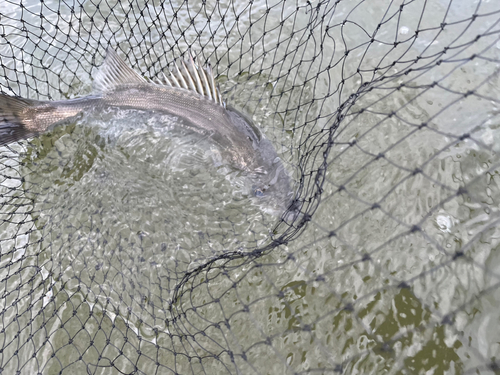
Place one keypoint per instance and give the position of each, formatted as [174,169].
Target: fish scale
[190,94]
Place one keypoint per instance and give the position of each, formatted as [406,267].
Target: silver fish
[189,92]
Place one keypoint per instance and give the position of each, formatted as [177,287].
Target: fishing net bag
[386,116]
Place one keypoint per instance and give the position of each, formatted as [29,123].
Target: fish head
[271,187]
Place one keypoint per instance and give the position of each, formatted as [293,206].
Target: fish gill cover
[128,247]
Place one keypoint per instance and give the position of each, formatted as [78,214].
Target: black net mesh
[386,114]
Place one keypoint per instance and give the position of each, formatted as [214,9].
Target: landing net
[386,114]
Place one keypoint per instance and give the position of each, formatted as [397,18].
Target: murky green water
[115,209]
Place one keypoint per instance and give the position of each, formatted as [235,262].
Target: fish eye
[258,193]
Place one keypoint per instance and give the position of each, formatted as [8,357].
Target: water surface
[396,272]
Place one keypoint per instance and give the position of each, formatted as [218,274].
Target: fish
[188,92]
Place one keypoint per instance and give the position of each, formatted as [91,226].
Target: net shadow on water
[116,255]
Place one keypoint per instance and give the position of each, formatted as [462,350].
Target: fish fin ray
[213,86]
[114,72]
[166,80]
[13,119]
[191,76]
[175,81]
[196,74]
[180,77]
[206,86]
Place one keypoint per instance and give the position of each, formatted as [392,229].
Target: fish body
[194,112]
[190,94]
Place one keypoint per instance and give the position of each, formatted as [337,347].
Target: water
[121,209]
[139,168]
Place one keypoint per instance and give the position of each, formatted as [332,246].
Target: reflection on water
[124,204]
[131,173]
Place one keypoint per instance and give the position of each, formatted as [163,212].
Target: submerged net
[386,115]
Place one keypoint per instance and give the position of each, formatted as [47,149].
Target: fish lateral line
[22,118]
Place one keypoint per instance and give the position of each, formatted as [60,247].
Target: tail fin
[14,118]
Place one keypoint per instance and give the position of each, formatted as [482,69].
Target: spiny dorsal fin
[189,75]
[114,72]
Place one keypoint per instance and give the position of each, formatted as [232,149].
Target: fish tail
[14,119]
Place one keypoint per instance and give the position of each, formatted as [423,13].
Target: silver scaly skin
[190,93]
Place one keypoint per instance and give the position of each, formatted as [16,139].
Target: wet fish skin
[117,85]
[196,112]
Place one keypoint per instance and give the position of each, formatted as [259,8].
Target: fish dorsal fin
[114,72]
[188,75]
